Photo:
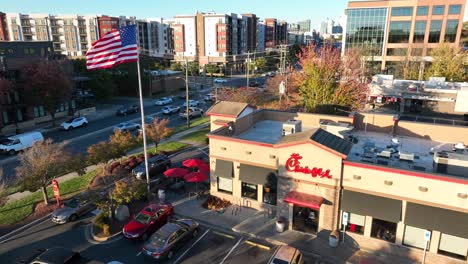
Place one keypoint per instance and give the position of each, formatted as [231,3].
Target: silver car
[71,210]
[126,126]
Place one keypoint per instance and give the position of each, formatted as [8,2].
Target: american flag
[116,47]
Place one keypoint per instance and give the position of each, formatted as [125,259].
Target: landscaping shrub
[101,220]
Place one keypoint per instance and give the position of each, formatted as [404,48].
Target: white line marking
[139,253]
[230,251]
[185,252]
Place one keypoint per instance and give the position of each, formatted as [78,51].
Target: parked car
[54,256]
[147,221]
[286,255]
[172,236]
[163,101]
[210,97]
[193,112]
[220,80]
[125,110]
[191,103]
[253,84]
[157,164]
[182,95]
[12,145]
[170,109]
[126,126]
[72,209]
[74,123]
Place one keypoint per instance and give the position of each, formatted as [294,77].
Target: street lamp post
[187,93]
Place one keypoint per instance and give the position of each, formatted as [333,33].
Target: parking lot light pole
[186,94]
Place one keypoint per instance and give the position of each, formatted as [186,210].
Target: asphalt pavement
[100,130]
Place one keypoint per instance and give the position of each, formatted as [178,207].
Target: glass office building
[366,28]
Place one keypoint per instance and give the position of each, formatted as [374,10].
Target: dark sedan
[167,240]
[157,164]
[56,255]
[125,110]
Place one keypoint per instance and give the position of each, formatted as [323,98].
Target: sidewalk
[255,224]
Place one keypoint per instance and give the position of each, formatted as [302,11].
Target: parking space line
[230,251]
[223,234]
[139,253]
[257,245]
[185,252]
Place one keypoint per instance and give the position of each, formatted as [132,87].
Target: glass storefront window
[356,223]
[414,237]
[451,30]
[305,219]
[384,230]
[454,9]
[402,11]
[269,195]
[419,31]
[434,33]
[399,32]
[249,190]
[422,11]
[224,185]
[453,246]
[438,10]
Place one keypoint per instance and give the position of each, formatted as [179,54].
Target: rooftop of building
[410,153]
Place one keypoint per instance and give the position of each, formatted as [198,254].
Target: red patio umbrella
[176,172]
[196,176]
[191,163]
[204,168]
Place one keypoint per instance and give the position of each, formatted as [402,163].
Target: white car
[126,126]
[163,101]
[191,103]
[210,97]
[220,80]
[170,109]
[74,123]
[12,145]
[193,112]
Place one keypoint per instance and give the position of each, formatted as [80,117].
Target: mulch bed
[116,226]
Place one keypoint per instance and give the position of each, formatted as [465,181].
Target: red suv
[147,221]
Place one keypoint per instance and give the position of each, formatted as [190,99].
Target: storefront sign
[294,165]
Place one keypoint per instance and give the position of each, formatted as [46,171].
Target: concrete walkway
[253,223]
[176,137]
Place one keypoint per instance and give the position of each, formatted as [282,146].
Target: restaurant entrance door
[305,219]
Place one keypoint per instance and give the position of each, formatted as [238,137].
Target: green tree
[176,66]
[260,64]
[211,68]
[41,163]
[464,35]
[118,145]
[102,84]
[448,61]
[193,68]
[291,58]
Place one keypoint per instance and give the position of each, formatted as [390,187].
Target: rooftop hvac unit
[292,126]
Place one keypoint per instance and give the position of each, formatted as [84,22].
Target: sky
[291,11]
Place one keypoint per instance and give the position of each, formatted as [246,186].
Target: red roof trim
[304,200]
[405,172]
[221,115]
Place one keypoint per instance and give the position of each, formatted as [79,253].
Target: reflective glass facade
[434,33]
[366,27]
[438,10]
[402,11]
[399,32]
[422,11]
[451,30]
[419,31]
[454,9]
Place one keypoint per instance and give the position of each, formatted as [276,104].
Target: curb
[102,239]
[5,238]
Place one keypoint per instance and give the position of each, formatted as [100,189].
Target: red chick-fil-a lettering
[294,165]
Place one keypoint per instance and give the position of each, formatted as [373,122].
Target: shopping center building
[395,180]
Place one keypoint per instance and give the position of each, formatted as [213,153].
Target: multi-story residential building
[3,27]
[304,25]
[251,27]
[155,37]
[107,23]
[392,30]
[270,33]
[260,36]
[185,37]
[385,182]
[71,35]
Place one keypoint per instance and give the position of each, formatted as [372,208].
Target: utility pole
[187,93]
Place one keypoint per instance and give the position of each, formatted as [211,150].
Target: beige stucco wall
[444,133]
[440,193]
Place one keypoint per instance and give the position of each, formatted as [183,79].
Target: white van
[19,142]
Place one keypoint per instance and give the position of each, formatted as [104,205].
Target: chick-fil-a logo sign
[294,165]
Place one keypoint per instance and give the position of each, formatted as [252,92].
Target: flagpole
[143,129]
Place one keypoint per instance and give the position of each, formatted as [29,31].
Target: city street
[211,245]
[100,130]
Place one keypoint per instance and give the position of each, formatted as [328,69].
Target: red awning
[304,200]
